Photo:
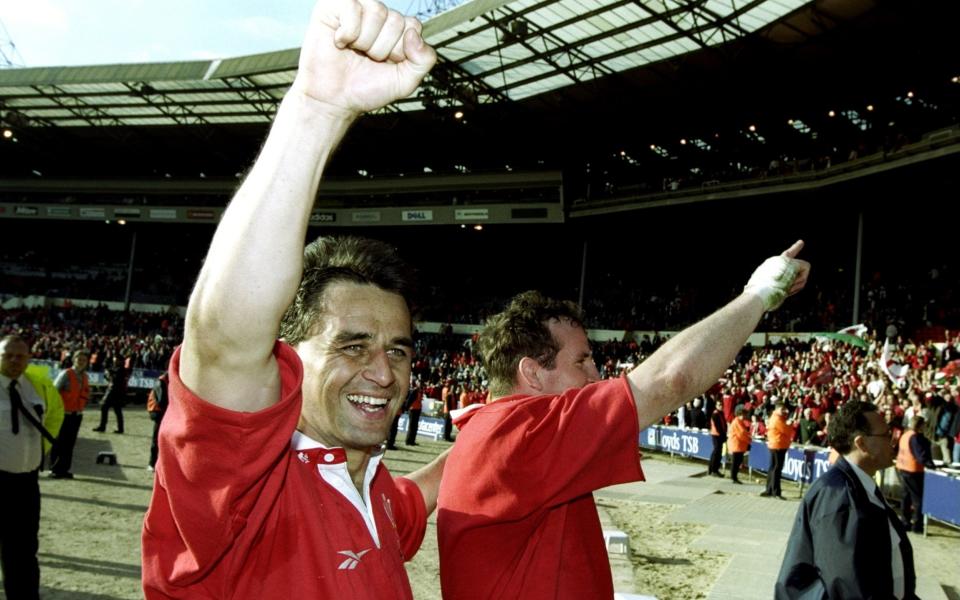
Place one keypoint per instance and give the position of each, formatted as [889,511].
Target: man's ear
[528,374]
[860,444]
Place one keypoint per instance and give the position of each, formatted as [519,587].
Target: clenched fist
[359,56]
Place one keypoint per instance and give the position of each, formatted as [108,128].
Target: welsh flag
[894,370]
[773,378]
[950,370]
[857,330]
[852,335]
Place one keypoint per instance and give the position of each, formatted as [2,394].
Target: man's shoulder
[523,406]
[835,488]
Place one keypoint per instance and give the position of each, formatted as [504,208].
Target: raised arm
[691,361]
[357,56]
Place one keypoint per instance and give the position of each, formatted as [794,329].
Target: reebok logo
[353,559]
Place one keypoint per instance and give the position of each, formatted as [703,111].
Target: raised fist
[359,56]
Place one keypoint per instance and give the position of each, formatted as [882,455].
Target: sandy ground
[664,565]
[90,529]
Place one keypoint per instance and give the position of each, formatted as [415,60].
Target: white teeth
[368,400]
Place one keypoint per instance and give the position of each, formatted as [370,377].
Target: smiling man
[269,479]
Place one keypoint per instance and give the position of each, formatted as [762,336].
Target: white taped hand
[772,281]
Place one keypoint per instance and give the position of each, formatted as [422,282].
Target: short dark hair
[519,331]
[847,423]
[329,259]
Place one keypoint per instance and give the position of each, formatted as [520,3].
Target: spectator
[157,401]
[780,432]
[74,387]
[414,406]
[912,458]
[448,397]
[809,428]
[697,417]
[954,431]
[28,407]
[115,396]
[738,442]
[846,541]
[718,435]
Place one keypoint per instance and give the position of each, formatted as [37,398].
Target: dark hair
[329,259]
[521,330]
[847,423]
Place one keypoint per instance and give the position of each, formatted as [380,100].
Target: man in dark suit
[846,541]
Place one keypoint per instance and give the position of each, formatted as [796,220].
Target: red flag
[821,376]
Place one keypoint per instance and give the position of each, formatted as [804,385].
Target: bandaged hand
[779,277]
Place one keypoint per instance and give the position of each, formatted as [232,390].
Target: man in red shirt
[269,482]
[516,496]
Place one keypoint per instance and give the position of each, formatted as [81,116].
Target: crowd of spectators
[814,377]
[139,340]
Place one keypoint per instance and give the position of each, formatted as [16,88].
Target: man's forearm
[694,359]
[255,262]
[428,478]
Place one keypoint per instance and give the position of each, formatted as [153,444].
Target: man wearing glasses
[846,541]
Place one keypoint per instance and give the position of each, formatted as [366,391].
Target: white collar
[332,467]
[868,484]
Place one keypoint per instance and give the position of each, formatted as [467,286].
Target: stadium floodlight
[701,144]
[751,134]
[799,125]
[660,151]
[855,118]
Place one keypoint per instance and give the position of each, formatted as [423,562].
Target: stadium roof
[207,119]
[491,51]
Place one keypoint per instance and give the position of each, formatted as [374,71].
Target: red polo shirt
[516,517]
[239,511]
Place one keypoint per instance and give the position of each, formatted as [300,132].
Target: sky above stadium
[89,32]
